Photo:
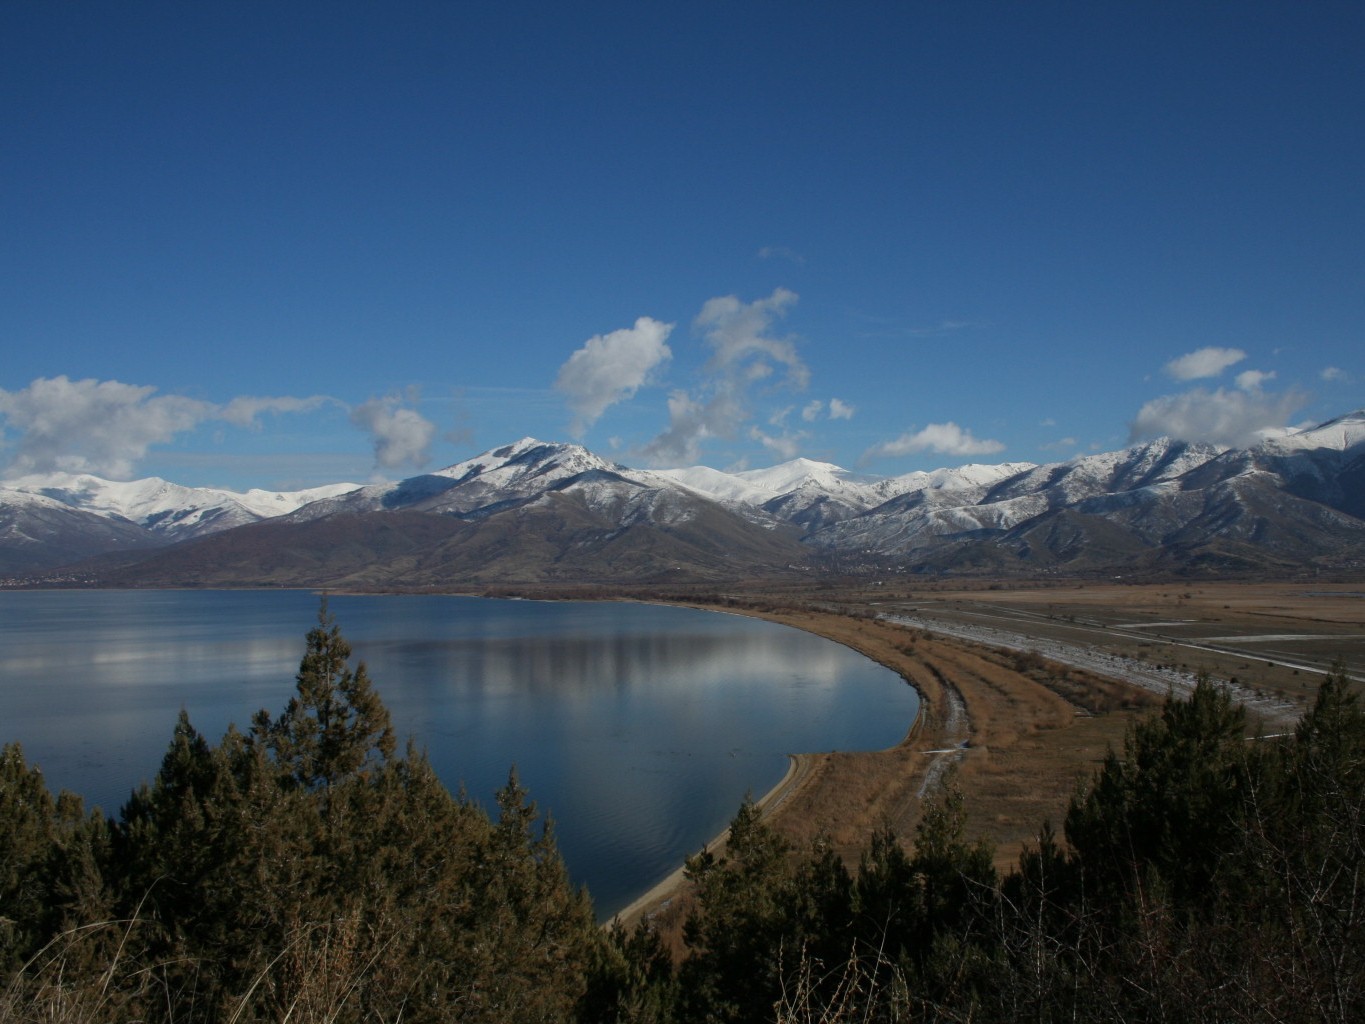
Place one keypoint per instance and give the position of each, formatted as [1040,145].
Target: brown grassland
[1023,732]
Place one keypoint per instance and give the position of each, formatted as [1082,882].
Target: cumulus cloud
[744,353]
[1205,362]
[401,436]
[106,427]
[942,438]
[1251,380]
[610,368]
[786,445]
[835,409]
[738,333]
[690,422]
[1225,416]
[839,410]
[1334,373]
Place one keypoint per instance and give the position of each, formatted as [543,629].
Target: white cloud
[1334,373]
[1224,416]
[836,410]
[787,446]
[401,436]
[839,410]
[744,353]
[1251,380]
[781,252]
[1205,362]
[944,327]
[943,438]
[106,427]
[738,334]
[1060,445]
[243,411]
[610,368]
[690,422]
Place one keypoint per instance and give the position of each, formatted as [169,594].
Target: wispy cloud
[835,409]
[1251,380]
[1334,374]
[942,438]
[744,354]
[610,368]
[106,427]
[738,334]
[691,422]
[943,327]
[786,445]
[1204,362]
[781,252]
[841,410]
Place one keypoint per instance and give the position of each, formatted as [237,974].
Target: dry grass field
[1019,729]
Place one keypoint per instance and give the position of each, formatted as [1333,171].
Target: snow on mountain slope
[959,478]
[515,472]
[165,508]
[1123,505]
[714,483]
[38,532]
[1339,434]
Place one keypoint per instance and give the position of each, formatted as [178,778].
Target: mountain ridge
[536,510]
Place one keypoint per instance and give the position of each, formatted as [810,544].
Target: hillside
[539,512]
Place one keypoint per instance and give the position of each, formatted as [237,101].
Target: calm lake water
[639,728]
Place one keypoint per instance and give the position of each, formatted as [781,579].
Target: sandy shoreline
[658,896]
[804,770]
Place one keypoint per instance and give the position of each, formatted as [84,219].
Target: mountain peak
[1339,433]
[1296,495]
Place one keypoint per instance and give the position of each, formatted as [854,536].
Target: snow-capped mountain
[37,532]
[536,510]
[167,509]
[514,472]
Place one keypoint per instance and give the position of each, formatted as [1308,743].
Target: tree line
[306,870]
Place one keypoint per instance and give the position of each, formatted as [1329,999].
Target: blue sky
[282,244]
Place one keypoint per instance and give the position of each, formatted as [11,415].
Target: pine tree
[737,933]
[28,815]
[335,726]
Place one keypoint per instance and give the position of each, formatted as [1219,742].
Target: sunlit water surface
[639,728]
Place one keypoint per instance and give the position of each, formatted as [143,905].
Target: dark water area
[638,728]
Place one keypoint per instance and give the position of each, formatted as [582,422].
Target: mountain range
[537,512]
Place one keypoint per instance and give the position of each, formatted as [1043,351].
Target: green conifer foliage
[336,725]
[739,933]
[27,834]
[300,871]
[1169,809]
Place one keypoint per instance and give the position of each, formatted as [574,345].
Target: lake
[640,728]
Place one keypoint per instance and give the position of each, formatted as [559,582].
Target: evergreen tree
[1168,811]
[739,934]
[335,726]
[28,815]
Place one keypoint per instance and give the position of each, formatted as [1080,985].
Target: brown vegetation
[1021,731]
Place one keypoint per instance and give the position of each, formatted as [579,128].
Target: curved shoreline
[662,892]
[801,769]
